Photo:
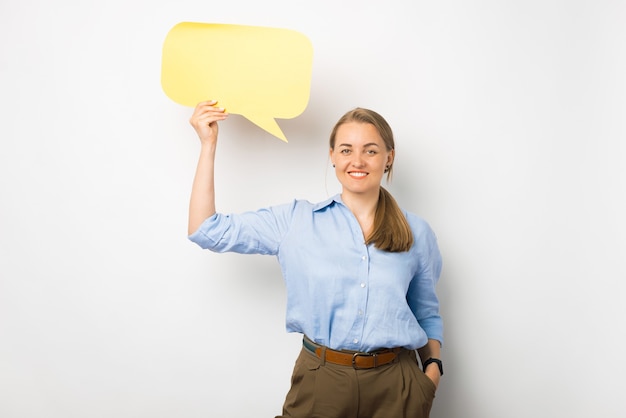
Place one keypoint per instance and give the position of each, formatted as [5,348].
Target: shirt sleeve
[421,296]
[256,232]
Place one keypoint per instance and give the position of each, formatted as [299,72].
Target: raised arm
[202,202]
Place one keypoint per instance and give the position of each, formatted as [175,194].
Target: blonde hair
[391,231]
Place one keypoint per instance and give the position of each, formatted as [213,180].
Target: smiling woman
[362,149]
[360,275]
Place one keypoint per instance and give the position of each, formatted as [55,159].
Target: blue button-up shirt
[341,292]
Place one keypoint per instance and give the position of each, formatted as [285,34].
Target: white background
[510,125]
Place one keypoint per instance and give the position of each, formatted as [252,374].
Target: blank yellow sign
[260,73]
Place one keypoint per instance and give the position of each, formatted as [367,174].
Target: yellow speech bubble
[257,72]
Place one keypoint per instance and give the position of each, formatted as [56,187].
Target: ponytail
[391,231]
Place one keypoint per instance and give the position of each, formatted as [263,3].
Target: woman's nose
[358,160]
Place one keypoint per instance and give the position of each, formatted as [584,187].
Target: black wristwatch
[434,360]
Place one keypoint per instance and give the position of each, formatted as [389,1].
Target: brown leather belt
[356,360]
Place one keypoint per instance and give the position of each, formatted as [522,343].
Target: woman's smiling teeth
[357,173]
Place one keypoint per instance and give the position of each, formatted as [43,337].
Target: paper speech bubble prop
[259,73]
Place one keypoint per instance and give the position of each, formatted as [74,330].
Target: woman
[360,276]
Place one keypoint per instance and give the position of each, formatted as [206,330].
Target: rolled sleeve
[257,232]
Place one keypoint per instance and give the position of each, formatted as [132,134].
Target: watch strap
[436,361]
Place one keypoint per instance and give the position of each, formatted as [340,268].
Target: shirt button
[360,312]
[362,284]
[355,341]
[364,258]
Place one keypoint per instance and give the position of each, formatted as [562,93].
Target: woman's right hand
[204,120]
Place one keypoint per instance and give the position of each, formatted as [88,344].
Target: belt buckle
[356,355]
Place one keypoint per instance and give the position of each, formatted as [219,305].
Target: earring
[386,169]
[333,165]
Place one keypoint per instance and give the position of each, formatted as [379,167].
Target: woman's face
[360,157]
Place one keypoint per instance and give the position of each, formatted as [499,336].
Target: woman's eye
[371,152]
[345,151]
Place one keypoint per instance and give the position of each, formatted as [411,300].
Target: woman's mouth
[357,174]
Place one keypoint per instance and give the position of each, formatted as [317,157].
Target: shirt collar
[328,202]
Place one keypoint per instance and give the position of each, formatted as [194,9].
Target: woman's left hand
[432,372]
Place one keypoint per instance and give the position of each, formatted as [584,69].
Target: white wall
[509,117]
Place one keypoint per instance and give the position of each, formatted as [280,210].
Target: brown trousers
[324,390]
